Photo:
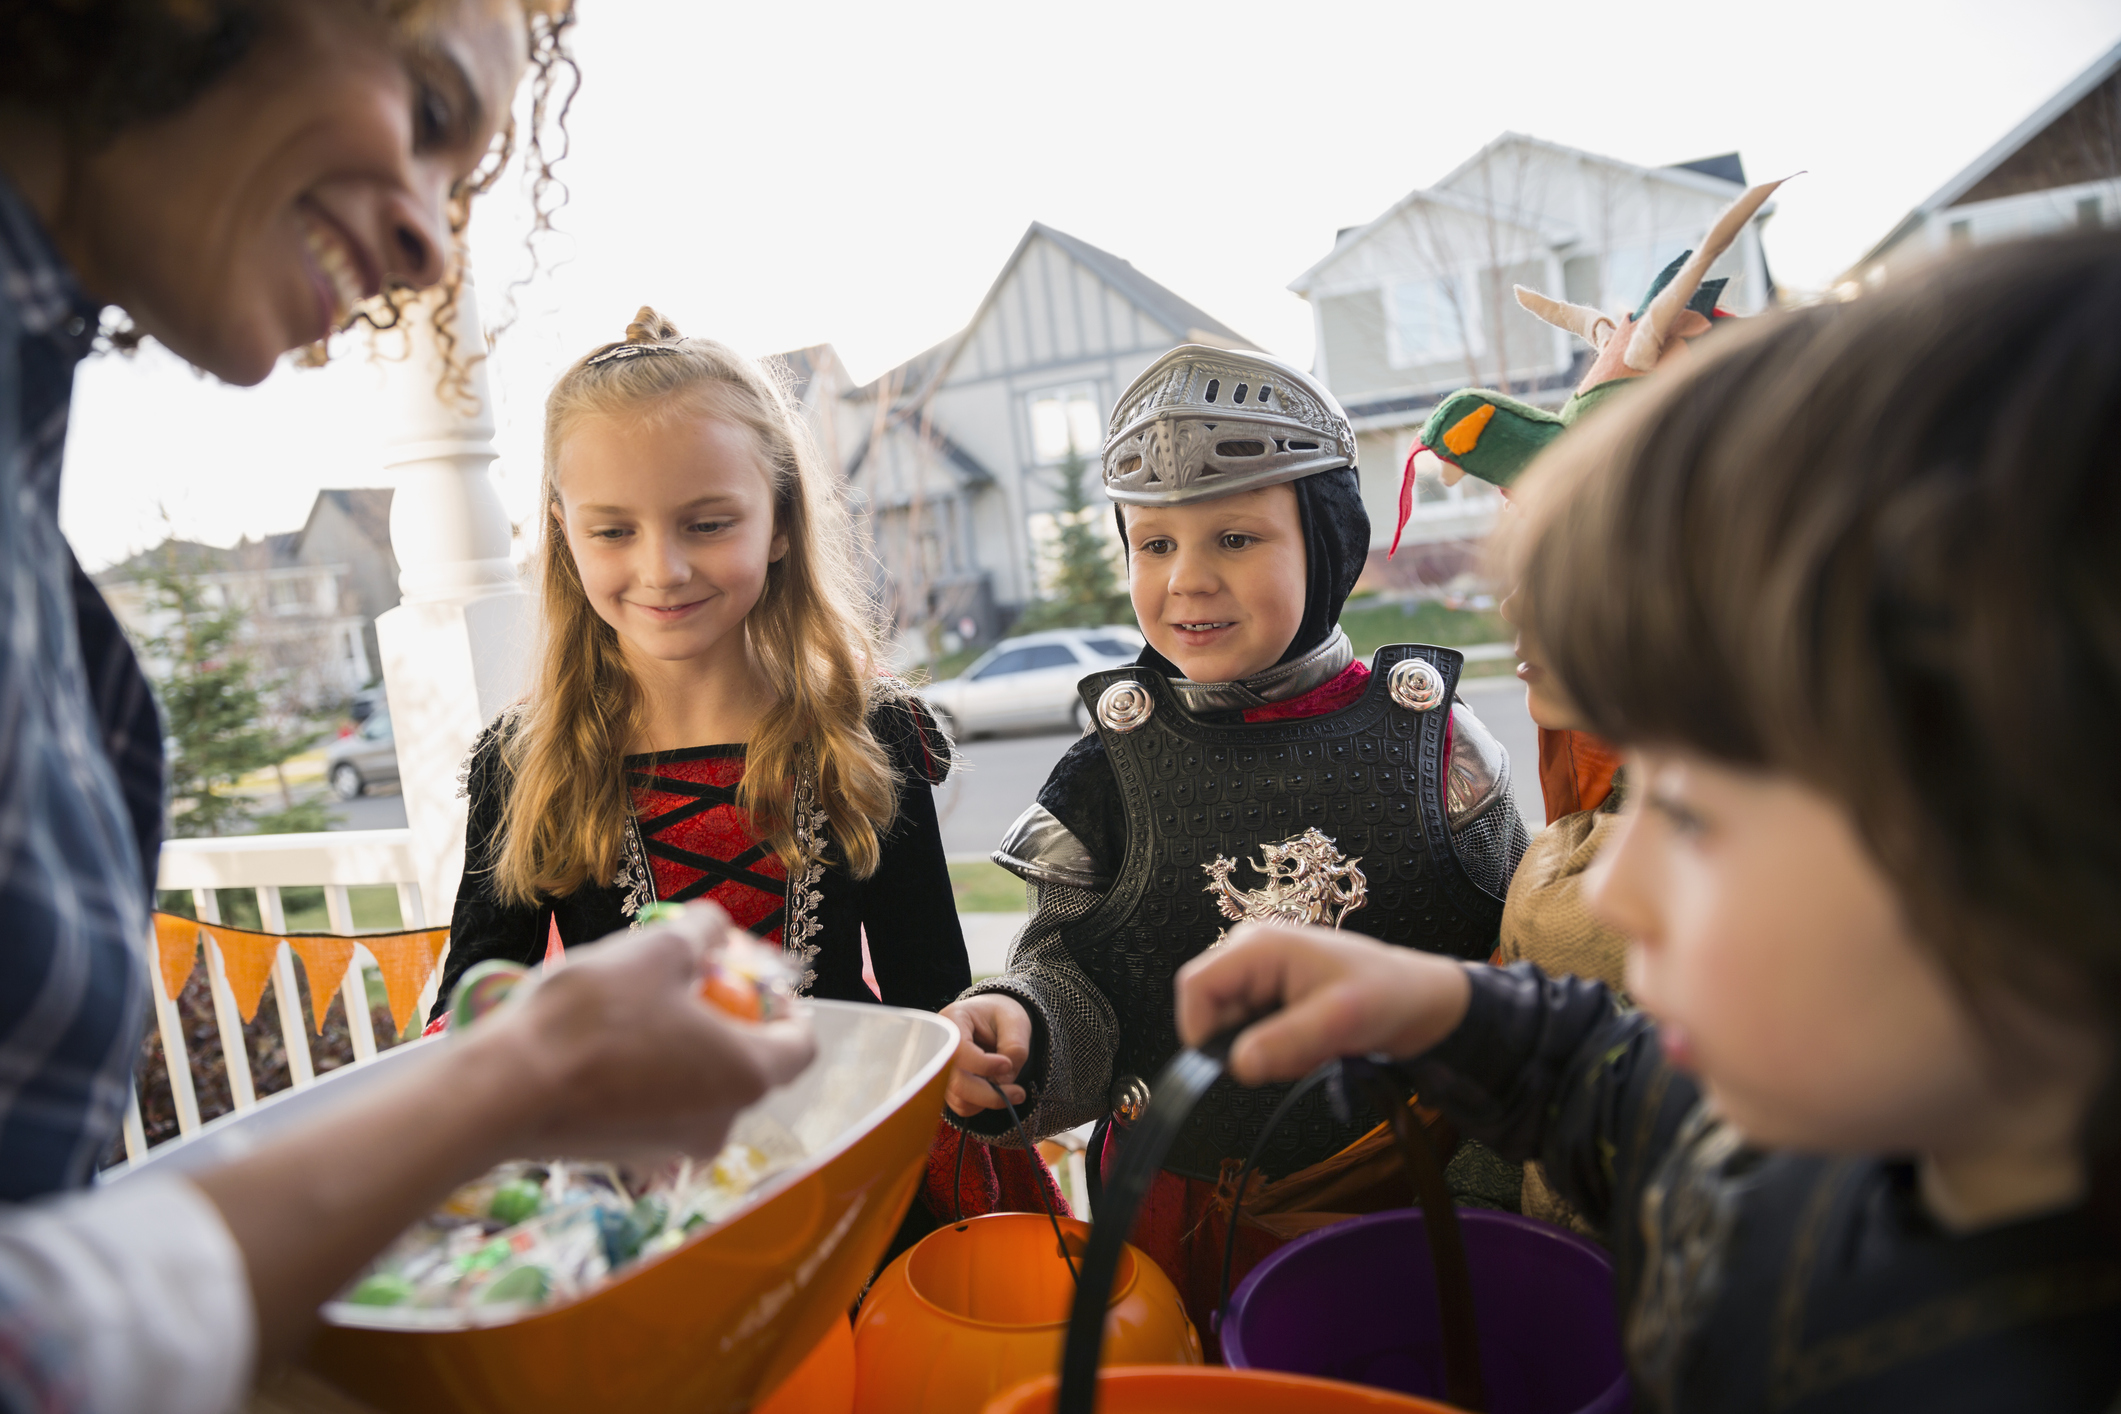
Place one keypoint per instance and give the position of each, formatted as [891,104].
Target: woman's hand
[1338,994]
[628,1060]
[994,1042]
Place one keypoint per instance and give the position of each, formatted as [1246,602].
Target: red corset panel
[699,841]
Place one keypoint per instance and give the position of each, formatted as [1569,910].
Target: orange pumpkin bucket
[715,1324]
[1210,1390]
[822,1384]
[982,1305]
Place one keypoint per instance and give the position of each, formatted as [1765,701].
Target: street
[1001,775]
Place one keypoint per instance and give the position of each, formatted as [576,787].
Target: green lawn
[985,887]
[1371,625]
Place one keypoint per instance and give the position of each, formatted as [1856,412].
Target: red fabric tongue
[1406,499]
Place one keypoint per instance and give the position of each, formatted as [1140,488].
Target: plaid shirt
[80,764]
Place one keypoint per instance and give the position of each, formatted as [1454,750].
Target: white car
[1030,681]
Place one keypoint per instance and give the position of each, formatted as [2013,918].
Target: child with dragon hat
[1494,437]
[1247,766]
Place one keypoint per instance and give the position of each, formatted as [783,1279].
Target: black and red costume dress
[688,839]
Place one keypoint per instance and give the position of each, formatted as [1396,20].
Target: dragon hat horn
[1647,342]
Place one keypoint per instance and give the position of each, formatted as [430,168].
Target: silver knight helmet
[1202,422]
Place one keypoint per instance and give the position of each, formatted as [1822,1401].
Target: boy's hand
[1339,994]
[994,1042]
[624,1057]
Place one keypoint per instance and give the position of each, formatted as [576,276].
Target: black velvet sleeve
[1549,1068]
[916,948]
[1082,793]
[482,927]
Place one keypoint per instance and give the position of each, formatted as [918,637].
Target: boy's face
[1219,585]
[1775,957]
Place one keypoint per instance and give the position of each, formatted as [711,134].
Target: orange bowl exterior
[975,1308]
[823,1383]
[1163,1389]
[704,1329]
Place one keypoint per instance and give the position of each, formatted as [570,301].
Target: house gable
[2072,140]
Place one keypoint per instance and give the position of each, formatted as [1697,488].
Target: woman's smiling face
[1219,585]
[671,524]
[313,174]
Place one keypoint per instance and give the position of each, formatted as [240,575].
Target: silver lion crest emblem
[1308,881]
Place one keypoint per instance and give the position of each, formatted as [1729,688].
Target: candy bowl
[710,1318]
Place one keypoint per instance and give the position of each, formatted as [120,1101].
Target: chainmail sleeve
[1073,1027]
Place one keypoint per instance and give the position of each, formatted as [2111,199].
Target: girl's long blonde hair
[813,632]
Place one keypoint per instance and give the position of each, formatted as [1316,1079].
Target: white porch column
[455,651]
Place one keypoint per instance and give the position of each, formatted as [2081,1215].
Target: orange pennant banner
[246,960]
[177,950]
[407,960]
[324,959]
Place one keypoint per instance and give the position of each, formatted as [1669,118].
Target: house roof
[368,507]
[805,364]
[1722,177]
[1971,176]
[1183,320]
[1724,167]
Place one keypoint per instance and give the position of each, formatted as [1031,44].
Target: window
[1432,321]
[1961,232]
[1065,420]
[1050,655]
[1110,647]
[1016,660]
[2088,211]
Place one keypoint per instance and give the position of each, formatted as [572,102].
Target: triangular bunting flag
[246,959]
[324,960]
[407,960]
[177,951]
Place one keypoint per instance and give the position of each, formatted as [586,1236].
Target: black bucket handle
[1177,1091]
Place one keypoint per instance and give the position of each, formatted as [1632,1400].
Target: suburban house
[1418,303]
[962,451]
[310,597]
[2060,167]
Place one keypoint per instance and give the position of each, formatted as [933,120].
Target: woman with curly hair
[242,178]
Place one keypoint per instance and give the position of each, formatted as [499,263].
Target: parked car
[367,756]
[1030,681]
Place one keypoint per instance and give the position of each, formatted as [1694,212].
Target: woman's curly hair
[100,66]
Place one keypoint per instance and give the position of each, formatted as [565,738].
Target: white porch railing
[267,864]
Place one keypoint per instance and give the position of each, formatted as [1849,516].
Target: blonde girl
[707,719]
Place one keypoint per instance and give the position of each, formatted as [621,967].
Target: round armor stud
[1130,1099]
[1415,684]
[1125,706]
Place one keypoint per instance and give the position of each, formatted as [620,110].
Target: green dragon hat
[1495,437]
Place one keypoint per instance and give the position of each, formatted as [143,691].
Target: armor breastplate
[1217,822]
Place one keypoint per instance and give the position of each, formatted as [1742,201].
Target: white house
[2060,167]
[962,447]
[1417,304]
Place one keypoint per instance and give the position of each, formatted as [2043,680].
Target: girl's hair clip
[623,351]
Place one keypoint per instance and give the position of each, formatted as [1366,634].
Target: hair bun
[648,327]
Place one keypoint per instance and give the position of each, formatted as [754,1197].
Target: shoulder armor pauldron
[1039,848]
[1480,768]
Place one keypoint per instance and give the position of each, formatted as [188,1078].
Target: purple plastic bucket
[1355,1301]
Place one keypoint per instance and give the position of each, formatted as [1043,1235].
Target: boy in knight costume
[1247,766]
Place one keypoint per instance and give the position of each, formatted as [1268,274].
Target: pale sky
[777,175]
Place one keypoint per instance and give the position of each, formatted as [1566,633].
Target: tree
[217,714]
[1085,590]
